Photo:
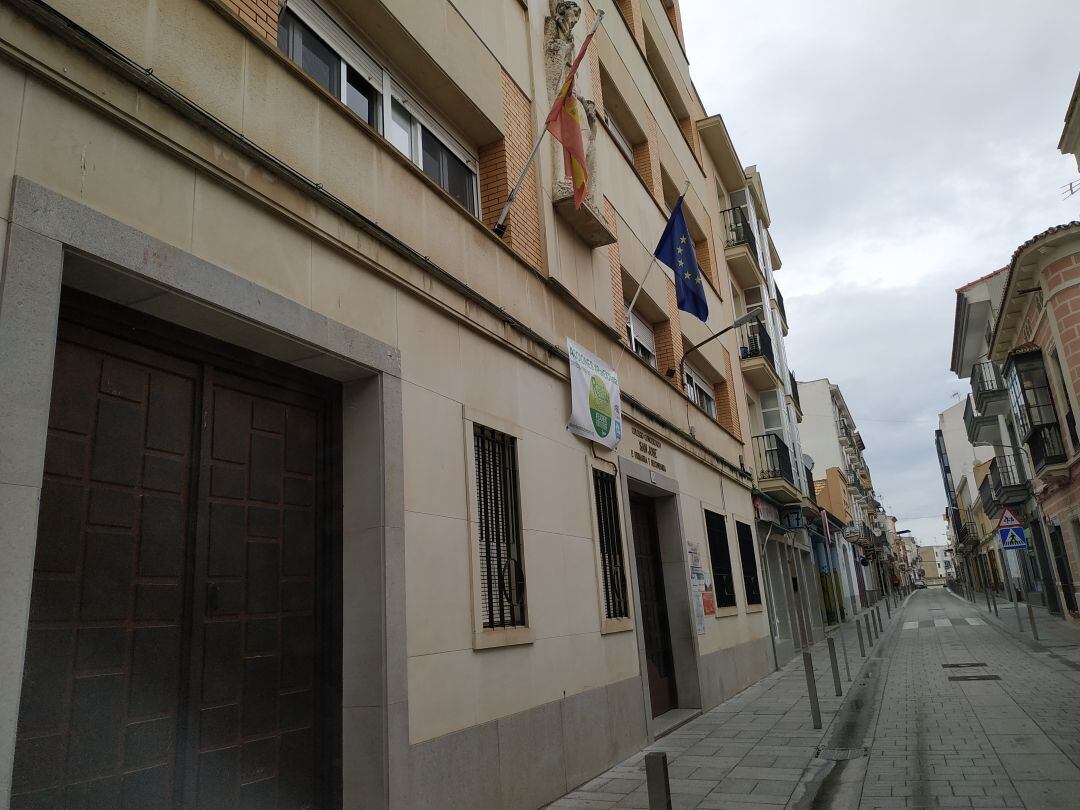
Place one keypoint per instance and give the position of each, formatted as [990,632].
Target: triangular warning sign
[1008,520]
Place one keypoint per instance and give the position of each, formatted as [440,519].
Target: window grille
[749,563]
[612,569]
[502,576]
[720,557]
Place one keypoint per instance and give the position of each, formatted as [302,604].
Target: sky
[906,148]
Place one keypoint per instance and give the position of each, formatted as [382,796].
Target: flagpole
[641,286]
[500,226]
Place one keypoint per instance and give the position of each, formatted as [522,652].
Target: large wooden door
[173,655]
[654,612]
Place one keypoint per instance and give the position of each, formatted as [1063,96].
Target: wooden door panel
[655,629]
[259,624]
[99,716]
[173,651]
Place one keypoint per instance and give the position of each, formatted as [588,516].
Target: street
[952,709]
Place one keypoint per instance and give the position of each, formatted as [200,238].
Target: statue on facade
[559,43]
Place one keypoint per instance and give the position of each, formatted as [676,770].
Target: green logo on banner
[599,406]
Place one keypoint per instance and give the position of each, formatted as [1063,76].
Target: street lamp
[752,315]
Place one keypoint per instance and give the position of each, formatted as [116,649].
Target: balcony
[1008,484]
[740,249]
[1046,446]
[783,312]
[855,531]
[969,535]
[757,359]
[980,427]
[795,396]
[775,472]
[988,389]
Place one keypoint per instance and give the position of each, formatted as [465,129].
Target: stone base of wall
[526,760]
[728,672]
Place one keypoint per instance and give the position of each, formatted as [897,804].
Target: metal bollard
[858,632]
[888,609]
[869,632]
[986,593]
[993,601]
[656,775]
[811,689]
[835,667]
[1031,618]
[877,618]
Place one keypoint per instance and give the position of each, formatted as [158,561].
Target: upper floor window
[311,39]
[700,391]
[1029,393]
[641,338]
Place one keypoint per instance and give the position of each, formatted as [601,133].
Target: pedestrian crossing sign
[1008,520]
[1012,538]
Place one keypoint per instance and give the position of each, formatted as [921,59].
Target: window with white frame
[641,338]
[699,390]
[322,49]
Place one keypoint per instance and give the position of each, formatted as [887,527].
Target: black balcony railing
[985,379]
[755,342]
[809,478]
[969,533]
[772,458]
[794,390]
[738,230]
[1046,446]
[969,419]
[780,304]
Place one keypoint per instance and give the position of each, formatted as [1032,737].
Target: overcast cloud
[906,147]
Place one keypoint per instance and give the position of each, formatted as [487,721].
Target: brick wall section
[689,131]
[647,159]
[676,19]
[668,335]
[727,406]
[593,57]
[618,306]
[703,251]
[1065,309]
[262,15]
[500,165]
[631,12]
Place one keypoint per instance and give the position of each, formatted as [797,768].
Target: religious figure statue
[559,43]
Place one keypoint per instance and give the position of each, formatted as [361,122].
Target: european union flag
[676,250]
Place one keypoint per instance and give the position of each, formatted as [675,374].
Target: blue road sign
[1012,538]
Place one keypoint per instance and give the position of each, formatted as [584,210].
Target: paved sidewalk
[749,752]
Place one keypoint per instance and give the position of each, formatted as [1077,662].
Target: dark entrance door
[1061,561]
[654,612]
[173,656]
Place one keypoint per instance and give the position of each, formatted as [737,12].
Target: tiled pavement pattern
[932,742]
[749,752]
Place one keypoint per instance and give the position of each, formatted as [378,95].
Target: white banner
[596,406]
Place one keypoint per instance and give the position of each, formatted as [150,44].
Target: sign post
[1012,536]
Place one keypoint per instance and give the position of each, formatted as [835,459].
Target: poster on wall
[700,581]
[595,402]
[699,615]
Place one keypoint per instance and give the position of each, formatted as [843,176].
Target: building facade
[291,510]
[845,486]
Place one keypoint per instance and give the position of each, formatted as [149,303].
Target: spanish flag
[565,122]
